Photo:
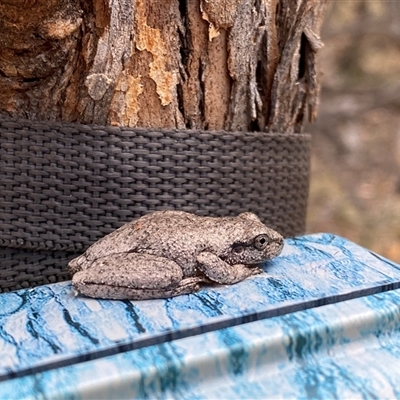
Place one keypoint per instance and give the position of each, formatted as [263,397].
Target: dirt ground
[355,181]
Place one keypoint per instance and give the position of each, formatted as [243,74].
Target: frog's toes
[75,265]
[256,270]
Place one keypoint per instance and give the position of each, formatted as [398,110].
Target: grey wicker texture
[63,186]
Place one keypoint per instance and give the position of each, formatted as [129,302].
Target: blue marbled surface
[346,350]
[47,325]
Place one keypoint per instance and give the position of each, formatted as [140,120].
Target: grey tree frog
[169,253]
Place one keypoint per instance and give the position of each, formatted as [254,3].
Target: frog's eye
[261,242]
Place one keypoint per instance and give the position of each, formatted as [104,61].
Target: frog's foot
[133,276]
[221,272]
[255,270]
[75,264]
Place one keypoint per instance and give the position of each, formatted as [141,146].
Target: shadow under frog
[169,253]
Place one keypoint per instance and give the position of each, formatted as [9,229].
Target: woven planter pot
[64,186]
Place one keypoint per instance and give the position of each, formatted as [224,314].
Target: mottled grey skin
[168,253]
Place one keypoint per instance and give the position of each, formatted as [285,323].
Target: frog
[168,253]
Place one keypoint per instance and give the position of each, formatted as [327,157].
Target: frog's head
[253,242]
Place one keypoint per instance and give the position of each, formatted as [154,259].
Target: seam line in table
[198,330]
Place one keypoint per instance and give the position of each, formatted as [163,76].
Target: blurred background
[355,181]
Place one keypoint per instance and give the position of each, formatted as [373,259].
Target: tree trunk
[209,64]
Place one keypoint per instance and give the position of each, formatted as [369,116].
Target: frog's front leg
[133,276]
[221,272]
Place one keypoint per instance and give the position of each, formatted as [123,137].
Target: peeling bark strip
[209,64]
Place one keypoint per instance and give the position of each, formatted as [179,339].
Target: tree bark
[209,64]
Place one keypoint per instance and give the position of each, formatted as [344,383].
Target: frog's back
[167,232]
[151,231]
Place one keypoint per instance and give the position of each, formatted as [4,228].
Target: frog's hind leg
[101,291]
[133,276]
